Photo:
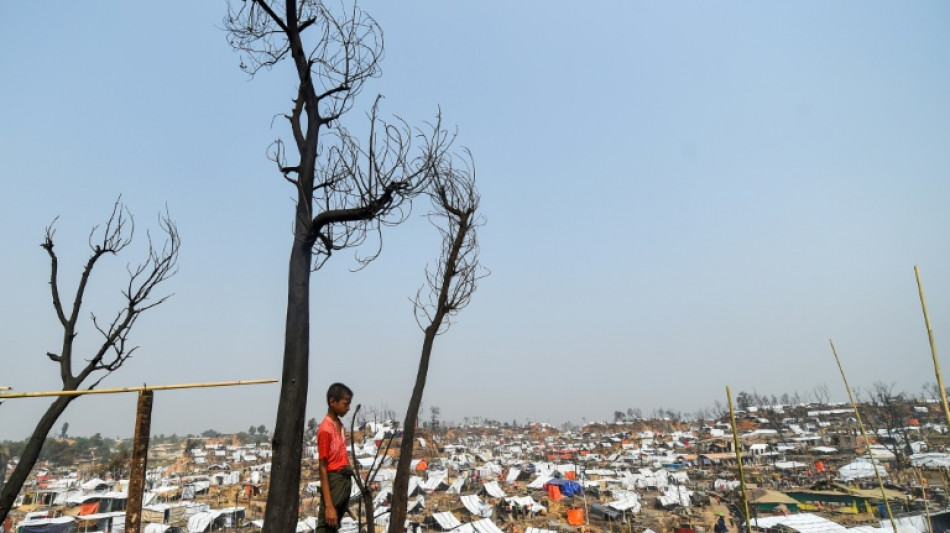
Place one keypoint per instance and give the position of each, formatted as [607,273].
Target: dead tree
[114,350]
[346,191]
[448,289]
[366,482]
[886,414]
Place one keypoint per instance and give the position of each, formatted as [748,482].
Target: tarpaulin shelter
[492,489]
[575,517]
[476,506]
[63,524]
[566,486]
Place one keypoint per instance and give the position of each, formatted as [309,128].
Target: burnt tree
[886,414]
[346,191]
[448,289]
[88,370]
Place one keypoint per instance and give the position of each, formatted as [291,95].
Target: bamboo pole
[923,492]
[11,395]
[735,440]
[933,346]
[867,443]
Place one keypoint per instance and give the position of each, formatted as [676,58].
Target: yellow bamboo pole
[864,434]
[923,492]
[933,346]
[11,395]
[735,440]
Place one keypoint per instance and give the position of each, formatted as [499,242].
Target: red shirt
[331,445]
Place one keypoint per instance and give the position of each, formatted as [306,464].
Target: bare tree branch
[160,264]
[346,190]
[449,288]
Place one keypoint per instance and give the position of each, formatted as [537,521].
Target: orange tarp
[570,474]
[89,508]
[554,493]
[422,465]
[575,517]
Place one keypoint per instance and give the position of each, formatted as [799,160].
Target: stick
[867,443]
[9,395]
[735,440]
[933,345]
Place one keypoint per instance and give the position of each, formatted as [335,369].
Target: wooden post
[143,424]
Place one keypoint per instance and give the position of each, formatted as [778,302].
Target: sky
[679,196]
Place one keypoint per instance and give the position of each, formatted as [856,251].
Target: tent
[567,487]
[492,489]
[446,520]
[476,506]
[63,524]
[860,468]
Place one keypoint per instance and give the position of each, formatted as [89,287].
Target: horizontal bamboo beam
[11,395]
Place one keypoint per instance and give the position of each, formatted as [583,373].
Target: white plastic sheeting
[860,468]
[625,500]
[446,520]
[486,526]
[930,460]
[539,481]
[801,522]
[456,486]
[476,506]
[725,485]
[675,495]
[527,501]
[435,482]
[493,490]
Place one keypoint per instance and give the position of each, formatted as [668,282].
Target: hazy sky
[680,196]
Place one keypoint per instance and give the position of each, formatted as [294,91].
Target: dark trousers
[340,486]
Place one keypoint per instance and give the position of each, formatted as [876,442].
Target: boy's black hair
[338,391]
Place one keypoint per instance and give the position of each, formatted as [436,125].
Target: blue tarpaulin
[567,487]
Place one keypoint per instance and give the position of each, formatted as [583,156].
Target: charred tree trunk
[350,193]
[31,453]
[161,264]
[283,497]
[451,287]
[400,501]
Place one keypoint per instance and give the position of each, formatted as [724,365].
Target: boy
[335,471]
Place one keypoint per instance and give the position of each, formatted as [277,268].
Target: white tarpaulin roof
[802,522]
[527,501]
[788,465]
[930,460]
[860,468]
[493,490]
[476,506]
[675,495]
[539,482]
[512,475]
[456,486]
[486,526]
[446,520]
[625,500]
